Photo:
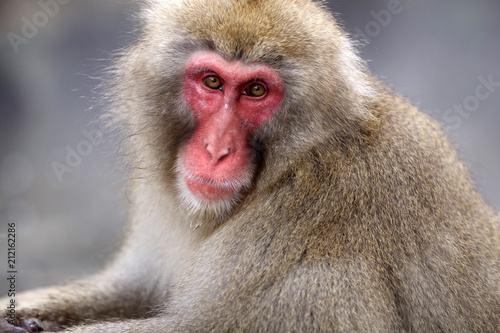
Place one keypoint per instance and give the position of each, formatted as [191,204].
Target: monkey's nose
[217,153]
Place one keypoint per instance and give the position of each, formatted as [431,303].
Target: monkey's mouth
[209,189]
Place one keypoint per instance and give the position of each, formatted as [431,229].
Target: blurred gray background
[437,53]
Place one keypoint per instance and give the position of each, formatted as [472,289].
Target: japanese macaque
[276,186]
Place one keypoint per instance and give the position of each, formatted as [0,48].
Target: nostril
[208,148]
[224,153]
[220,154]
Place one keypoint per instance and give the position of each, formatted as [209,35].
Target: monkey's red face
[230,101]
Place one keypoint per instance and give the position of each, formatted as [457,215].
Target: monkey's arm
[101,297]
[334,296]
[124,289]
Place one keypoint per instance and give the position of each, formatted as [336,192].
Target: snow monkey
[277,186]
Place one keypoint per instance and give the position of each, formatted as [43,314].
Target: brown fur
[361,218]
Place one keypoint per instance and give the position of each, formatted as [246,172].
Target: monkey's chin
[203,195]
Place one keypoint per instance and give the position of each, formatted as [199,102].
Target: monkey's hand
[25,321]
[20,326]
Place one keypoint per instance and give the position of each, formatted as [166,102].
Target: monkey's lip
[210,189]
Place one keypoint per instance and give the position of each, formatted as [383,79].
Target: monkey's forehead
[246,29]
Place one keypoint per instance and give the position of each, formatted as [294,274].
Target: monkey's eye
[213,82]
[255,90]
